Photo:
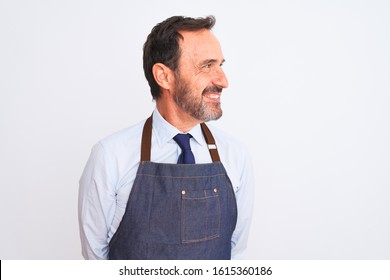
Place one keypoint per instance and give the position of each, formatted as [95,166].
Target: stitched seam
[157,176]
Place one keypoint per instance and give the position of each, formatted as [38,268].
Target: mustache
[212,89]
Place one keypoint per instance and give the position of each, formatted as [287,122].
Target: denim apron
[177,211]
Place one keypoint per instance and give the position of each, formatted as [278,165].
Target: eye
[208,65]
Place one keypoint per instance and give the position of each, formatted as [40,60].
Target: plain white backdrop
[309,95]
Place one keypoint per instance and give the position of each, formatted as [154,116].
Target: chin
[212,117]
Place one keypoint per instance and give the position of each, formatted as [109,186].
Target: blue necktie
[186,156]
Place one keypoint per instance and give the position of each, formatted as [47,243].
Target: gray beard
[198,110]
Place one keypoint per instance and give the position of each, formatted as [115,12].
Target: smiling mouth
[214,97]
[213,93]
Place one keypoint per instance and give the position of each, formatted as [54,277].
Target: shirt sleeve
[96,204]
[245,200]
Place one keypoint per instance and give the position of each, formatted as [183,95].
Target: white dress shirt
[109,174]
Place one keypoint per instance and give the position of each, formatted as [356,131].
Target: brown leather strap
[210,143]
[147,141]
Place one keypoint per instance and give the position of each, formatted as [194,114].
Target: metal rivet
[183,192]
[215,190]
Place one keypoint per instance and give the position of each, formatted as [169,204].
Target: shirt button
[215,190]
[183,192]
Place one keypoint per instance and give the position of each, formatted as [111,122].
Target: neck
[175,116]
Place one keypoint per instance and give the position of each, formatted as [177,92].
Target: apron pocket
[200,215]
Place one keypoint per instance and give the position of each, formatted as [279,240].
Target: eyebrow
[212,61]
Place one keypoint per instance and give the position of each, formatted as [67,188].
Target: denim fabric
[177,211]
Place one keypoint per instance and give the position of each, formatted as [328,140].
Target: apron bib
[177,211]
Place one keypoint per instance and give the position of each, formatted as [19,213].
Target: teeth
[214,96]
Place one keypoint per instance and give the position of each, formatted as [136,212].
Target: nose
[221,79]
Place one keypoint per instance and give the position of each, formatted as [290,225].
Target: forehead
[200,45]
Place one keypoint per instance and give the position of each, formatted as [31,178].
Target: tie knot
[183,140]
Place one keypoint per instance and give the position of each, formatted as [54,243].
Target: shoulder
[119,150]
[233,151]
[127,137]
[225,140]
[115,155]
[235,157]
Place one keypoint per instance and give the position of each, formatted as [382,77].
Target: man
[169,188]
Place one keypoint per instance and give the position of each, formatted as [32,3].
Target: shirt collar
[165,132]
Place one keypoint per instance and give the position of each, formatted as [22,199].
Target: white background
[309,95]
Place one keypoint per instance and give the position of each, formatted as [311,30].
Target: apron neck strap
[147,141]
[210,143]
[146,144]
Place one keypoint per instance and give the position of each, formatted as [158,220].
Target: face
[200,79]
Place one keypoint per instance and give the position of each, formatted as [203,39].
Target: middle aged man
[170,187]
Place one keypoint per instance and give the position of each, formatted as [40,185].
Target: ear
[163,75]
